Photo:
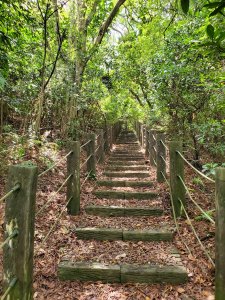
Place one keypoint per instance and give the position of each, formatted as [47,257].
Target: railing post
[176,171]
[101,148]
[220,234]
[73,184]
[147,142]
[91,163]
[152,147]
[106,139]
[160,157]
[20,215]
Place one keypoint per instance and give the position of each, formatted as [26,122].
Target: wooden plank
[147,235]
[125,195]
[127,174]
[127,168]
[105,211]
[123,158]
[125,163]
[100,234]
[142,211]
[117,211]
[124,183]
[153,274]
[92,271]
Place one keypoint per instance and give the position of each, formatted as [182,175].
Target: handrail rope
[196,235]
[196,204]
[154,148]
[196,170]
[154,161]
[55,164]
[154,137]
[55,223]
[51,198]
[85,179]
[82,146]
[161,141]
[84,163]
[11,285]
[174,215]
[11,236]
[96,150]
[98,160]
[14,189]
[163,159]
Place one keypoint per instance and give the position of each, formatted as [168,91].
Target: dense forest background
[69,66]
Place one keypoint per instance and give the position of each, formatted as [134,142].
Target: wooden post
[20,215]
[160,157]
[152,147]
[107,140]
[101,148]
[176,170]
[147,142]
[91,163]
[220,234]
[73,184]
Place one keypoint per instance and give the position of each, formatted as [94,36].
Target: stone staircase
[135,198]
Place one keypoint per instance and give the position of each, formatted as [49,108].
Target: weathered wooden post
[101,146]
[141,135]
[176,171]
[147,142]
[107,140]
[20,215]
[160,156]
[152,147]
[91,163]
[73,184]
[220,234]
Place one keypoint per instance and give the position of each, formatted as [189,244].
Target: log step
[123,158]
[112,234]
[127,168]
[126,163]
[124,273]
[125,195]
[127,174]
[124,183]
[117,211]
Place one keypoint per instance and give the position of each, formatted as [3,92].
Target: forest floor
[63,243]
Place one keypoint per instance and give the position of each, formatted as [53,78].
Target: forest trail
[126,235]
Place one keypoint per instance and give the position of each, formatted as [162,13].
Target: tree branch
[136,96]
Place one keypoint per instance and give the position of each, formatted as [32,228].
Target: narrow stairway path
[123,234]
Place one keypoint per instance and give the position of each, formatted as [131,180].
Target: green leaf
[185,5]
[217,10]
[210,31]
[212,5]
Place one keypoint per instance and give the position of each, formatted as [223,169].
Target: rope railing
[196,204]
[10,287]
[196,235]
[154,161]
[161,141]
[51,198]
[10,237]
[174,215]
[196,170]
[85,162]
[55,164]
[154,137]
[163,159]
[14,189]
[85,179]
[54,224]
[96,150]
[82,146]
[154,148]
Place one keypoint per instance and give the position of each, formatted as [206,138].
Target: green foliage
[198,181]
[210,168]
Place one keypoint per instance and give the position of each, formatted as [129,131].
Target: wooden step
[127,174]
[127,168]
[125,195]
[124,183]
[112,234]
[124,273]
[117,211]
[126,163]
[124,158]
